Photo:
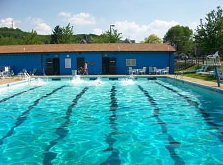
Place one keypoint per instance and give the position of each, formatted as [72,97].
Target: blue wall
[18,62]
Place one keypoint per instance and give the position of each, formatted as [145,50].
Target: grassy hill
[10,36]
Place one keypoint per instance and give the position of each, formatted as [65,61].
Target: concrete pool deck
[9,80]
[198,81]
[179,77]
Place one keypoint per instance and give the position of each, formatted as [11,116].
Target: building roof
[110,47]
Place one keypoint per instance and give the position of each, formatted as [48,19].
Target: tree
[56,37]
[209,34]
[180,37]
[152,39]
[8,41]
[108,37]
[62,35]
[10,36]
[67,32]
[31,38]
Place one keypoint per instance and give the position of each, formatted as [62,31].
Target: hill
[10,36]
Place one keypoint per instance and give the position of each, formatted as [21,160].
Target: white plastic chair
[157,71]
[131,71]
[142,71]
[166,70]
[151,71]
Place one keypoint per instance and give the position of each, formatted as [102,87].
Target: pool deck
[180,77]
[9,80]
[198,81]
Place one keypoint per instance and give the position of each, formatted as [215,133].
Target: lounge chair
[202,69]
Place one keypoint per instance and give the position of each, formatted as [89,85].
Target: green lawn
[191,72]
[201,76]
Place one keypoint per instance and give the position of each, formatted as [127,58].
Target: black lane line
[61,130]
[113,159]
[17,94]
[24,115]
[205,115]
[173,144]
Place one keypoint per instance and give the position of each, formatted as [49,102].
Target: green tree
[108,37]
[209,34]
[10,36]
[62,35]
[8,41]
[152,39]
[68,35]
[56,37]
[180,37]
[31,38]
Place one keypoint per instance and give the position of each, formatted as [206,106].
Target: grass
[191,72]
[205,77]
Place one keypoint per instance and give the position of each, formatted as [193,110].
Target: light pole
[111,28]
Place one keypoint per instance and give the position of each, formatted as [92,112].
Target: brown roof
[111,47]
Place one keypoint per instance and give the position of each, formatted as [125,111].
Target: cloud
[40,26]
[97,31]
[78,19]
[9,22]
[193,25]
[137,32]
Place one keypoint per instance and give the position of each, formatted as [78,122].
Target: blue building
[62,59]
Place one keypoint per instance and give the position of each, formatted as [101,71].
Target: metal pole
[217,75]
[111,28]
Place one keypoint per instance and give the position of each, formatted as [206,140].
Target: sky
[134,19]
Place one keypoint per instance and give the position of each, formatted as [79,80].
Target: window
[130,62]
[67,63]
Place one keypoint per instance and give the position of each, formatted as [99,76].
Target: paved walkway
[9,80]
[199,81]
[194,80]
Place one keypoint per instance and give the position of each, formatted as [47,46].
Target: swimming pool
[112,122]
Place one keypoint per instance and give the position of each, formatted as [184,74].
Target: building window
[67,62]
[130,62]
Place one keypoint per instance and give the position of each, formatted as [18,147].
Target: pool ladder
[27,76]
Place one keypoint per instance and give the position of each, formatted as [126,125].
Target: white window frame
[67,62]
[130,62]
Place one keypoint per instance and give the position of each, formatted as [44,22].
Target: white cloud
[78,19]
[138,32]
[97,31]
[193,25]
[40,26]
[65,14]
[9,22]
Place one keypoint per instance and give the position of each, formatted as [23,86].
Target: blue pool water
[108,122]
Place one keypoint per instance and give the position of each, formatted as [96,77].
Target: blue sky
[135,19]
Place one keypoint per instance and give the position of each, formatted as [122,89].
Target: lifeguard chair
[214,60]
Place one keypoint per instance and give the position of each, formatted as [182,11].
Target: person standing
[86,68]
